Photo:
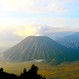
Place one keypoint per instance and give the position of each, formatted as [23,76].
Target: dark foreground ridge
[30,74]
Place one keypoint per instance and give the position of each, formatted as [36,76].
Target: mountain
[40,48]
[71,41]
[59,35]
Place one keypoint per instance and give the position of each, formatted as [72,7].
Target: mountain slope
[71,41]
[40,48]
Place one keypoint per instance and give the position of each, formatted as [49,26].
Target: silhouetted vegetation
[30,74]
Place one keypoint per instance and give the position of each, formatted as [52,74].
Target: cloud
[63,29]
[37,29]
[26,30]
[33,6]
[48,24]
[19,12]
[1,29]
[30,30]
[61,22]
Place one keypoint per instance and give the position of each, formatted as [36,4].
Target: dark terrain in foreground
[62,71]
[30,74]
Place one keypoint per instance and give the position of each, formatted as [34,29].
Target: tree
[1,69]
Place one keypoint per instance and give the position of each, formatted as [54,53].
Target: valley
[62,71]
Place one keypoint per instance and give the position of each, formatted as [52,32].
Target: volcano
[40,48]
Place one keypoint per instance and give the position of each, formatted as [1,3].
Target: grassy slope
[63,71]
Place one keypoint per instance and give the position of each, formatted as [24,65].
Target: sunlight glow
[28,30]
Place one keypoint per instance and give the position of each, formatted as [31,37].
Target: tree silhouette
[24,71]
[33,69]
[1,69]
[30,74]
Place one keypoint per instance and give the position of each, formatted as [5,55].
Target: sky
[22,18]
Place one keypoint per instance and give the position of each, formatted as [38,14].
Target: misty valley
[54,59]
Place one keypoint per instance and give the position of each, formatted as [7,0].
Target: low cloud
[37,29]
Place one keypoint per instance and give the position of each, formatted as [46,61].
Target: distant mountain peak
[37,48]
[71,41]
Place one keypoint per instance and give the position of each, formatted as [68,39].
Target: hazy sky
[21,18]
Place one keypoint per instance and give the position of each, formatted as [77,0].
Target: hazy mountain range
[59,35]
[70,41]
[41,48]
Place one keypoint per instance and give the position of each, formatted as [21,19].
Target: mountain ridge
[71,41]
[39,47]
